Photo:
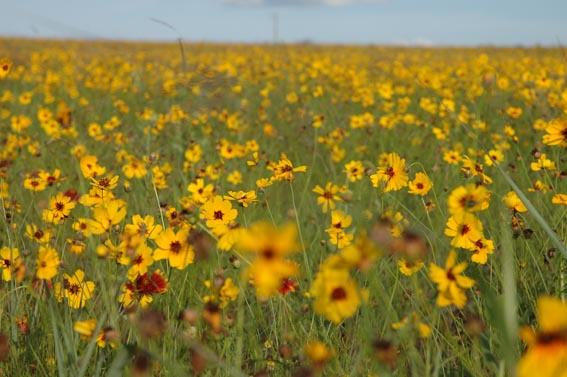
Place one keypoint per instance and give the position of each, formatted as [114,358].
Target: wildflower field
[282,210]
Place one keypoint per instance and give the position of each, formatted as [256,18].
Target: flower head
[392,174]
[75,289]
[47,262]
[546,355]
[450,282]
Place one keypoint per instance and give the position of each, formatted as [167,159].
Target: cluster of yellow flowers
[136,168]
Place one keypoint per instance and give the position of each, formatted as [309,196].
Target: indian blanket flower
[283,169]
[337,295]
[420,185]
[327,196]
[451,284]
[556,132]
[546,354]
[47,262]
[392,175]
[75,289]
[218,212]
[141,289]
[175,248]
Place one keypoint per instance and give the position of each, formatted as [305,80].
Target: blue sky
[421,22]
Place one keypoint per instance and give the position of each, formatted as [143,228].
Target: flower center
[338,294]
[175,247]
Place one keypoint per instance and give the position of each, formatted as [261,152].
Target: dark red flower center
[338,293]
[175,247]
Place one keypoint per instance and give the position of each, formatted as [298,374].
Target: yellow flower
[175,248]
[243,198]
[134,168]
[143,226]
[87,329]
[106,215]
[469,198]
[5,66]
[450,283]
[283,169]
[34,182]
[141,260]
[271,246]
[11,264]
[556,133]
[465,229]
[39,235]
[327,196]
[339,221]
[59,209]
[423,329]
[218,212]
[354,170]
[483,247]
[409,267]
[559,199]
[200,192]
[47,262]
[542,163]
[512,201]
[90,167]
[546,355]
[471,168]
[392,174]
[336,294]
[420,185]
[75,289]
[317,352]
[228,292]
[514,112]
